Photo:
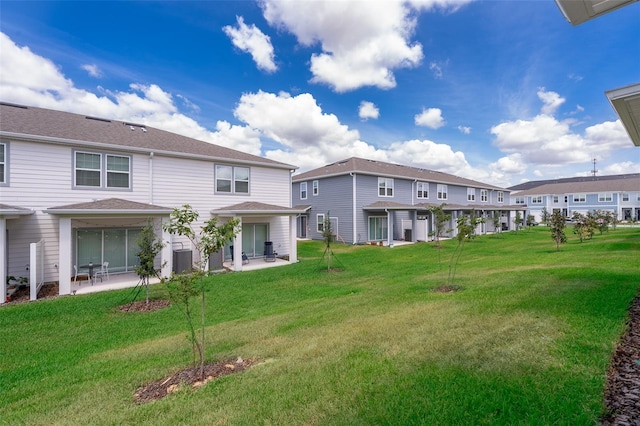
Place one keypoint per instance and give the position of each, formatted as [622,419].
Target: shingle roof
[626,184]
[380,168]
[109,205]
[68,127]
[535,183]
[254,207]
[6,209]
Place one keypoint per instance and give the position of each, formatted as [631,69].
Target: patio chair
[84,275]
[102,272]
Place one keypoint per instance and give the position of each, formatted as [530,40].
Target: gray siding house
[619,194]
[373,201]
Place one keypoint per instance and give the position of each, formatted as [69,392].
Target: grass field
[526,341]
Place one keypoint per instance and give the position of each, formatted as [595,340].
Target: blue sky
[497,91]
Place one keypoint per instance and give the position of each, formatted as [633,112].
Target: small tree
[329,237]
[440,222]
[557,226]
[518,220]
[497,225]
[531,219]
[210,239]
[545,216]
[584,226]
[149,246]
[466,231]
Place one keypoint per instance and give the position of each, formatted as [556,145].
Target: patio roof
[256,208]
[579,11]
[390,205]
[7,210]
[109,206]
[626,102]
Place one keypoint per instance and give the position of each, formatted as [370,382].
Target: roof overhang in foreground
[253,208]
[389,205]
[579,11]
[626,102]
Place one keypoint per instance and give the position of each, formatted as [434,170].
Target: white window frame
[520,200]
[103,171]
[500,196]
[233,180]
[4,162]
[422,190]
[315,187]
[320,222]
[385,187]
[605,197]
[625,196]
[303,190]
[556,199]
[536,199]
[442,191]
[579,198]
[471,194]
[484,196]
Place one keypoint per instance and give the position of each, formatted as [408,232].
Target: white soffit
[579,11]
[626,102]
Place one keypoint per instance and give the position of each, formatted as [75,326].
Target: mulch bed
[622,393]
[190,378]
[143,306]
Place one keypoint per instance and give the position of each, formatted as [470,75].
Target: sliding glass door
[378,230]
[116,246]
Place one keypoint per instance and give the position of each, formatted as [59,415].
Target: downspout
[151,177]
[354,232]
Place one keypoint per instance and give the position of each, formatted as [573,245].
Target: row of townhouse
[619,194]
[77,190]
[374,201]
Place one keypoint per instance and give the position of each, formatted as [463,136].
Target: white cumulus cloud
[430,117]
[368,110]
[250,39]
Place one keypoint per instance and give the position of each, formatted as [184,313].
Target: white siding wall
[42,177]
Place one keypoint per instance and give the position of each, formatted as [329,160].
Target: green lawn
[527,340]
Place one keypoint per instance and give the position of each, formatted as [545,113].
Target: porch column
[166,256]
[65,267]
[3,257]
[237,248]
[389,228]
[293,241]
[414,226]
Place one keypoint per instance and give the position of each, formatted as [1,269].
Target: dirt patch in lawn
[447,289]
[190,378]
[143,306]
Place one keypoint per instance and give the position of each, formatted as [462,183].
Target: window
[555,199]
[385,187]
[97,170]
[320,223]
[500,196]
[316,187]
[303,190]
[232,179]
[442,192]
[536,199]
[519,200]
[579,198]
[484,195]
[471,194]
[625,196]
[566,198]
[422,189]
[605,197]
[3,163]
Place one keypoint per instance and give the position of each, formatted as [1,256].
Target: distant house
[374,201]
[619,194]
[83,187]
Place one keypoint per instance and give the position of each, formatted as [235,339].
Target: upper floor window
[605,197]
[232,179]
[500,196]
[536,199]
[579,198]
[442,192]
[422,190]
[625,196]
[3,163]
[555,199]
[566,198]
[519,200]
[97,170]
[385,187]
[303,190]
[471,194]
[316,187]
[484,195]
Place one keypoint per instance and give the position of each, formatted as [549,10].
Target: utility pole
[594,171]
